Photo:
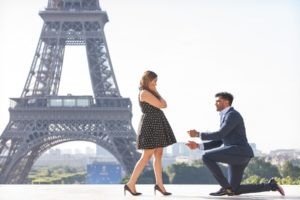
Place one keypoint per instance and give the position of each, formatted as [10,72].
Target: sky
[197,47]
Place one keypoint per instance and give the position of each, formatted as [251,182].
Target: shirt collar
[225,110]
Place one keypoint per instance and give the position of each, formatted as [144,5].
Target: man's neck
[225,110]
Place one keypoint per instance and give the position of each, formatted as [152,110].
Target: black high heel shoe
[156,187]
[129,190]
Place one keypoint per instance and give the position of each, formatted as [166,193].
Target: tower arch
[41,119]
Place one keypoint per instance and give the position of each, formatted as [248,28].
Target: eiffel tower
[41,119]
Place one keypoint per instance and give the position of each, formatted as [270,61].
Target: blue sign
[103,173]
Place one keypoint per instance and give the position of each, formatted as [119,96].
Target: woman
[154,133]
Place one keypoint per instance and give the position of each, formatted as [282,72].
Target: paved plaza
[115,192]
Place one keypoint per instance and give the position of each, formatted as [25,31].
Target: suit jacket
[232,134]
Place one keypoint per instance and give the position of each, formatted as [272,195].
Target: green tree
[288,169]
[254,180]
[261,168]
[196,173]
[57,175]
[289,181]
[147,177]
[49,172]
[69,169]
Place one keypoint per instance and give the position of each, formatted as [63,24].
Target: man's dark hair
[225,95]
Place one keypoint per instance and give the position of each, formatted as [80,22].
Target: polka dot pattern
[154,129]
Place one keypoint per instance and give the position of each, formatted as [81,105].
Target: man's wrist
[200,146]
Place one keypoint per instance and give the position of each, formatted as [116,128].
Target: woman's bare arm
[148,97]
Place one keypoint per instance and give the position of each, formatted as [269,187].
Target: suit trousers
[236,166]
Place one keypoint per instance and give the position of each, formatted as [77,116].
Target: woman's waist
[150,111]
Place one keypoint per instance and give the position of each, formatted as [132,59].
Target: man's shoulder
[232,110]
[233,113]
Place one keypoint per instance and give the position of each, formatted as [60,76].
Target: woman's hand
[148,97]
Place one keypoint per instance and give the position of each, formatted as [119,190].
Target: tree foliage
[288,169]
[57,175]
[196,173]
[148,177]
[257,171]
[260,168]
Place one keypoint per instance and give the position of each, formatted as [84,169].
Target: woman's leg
[140,165]
[157,166]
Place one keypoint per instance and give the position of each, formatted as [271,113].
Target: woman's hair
[147,77]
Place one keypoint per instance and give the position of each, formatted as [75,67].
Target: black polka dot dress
[154,129]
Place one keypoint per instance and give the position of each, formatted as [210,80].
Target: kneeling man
[236,151]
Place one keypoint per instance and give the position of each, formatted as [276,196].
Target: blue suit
[236,152]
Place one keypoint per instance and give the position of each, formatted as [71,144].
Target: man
[236,151]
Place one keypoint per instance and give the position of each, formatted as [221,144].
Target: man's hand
[193,133]
[192,145]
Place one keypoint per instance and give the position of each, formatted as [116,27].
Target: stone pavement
[115,192]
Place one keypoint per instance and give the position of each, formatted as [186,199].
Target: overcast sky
[197,48]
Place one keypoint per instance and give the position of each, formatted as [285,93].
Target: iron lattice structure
[40,119]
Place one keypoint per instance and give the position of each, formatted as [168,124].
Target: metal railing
[70,101]
[74,5]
